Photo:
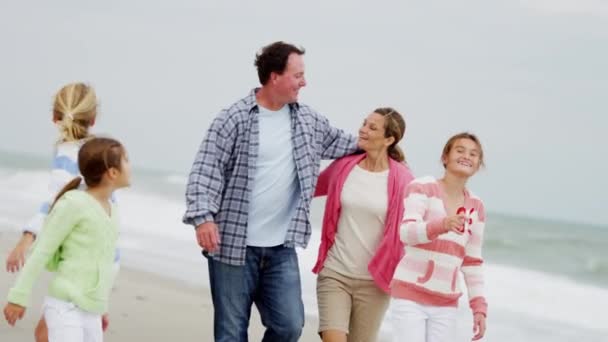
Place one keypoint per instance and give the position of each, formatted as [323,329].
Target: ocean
[546,280]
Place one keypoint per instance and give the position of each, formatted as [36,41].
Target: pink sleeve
[414,229]
[325,179]
[479,305]
[408,175]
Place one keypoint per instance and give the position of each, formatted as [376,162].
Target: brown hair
[394,126]
[273,58]
[75,109]
[464,135]
[95,158]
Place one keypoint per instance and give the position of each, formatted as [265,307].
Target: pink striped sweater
[428,273]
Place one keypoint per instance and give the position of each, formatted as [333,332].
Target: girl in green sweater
[78,244]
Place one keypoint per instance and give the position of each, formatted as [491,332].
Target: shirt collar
[251,102]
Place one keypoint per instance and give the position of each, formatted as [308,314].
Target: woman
[360,245]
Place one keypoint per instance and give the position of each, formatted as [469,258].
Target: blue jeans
[270,278]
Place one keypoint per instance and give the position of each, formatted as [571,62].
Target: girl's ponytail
[73,184]
[74,111]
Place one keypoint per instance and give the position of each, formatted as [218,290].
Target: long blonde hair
[74,111]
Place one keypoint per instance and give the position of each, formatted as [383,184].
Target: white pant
[68,323]
[413,322]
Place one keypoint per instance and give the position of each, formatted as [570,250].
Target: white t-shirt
[276,191]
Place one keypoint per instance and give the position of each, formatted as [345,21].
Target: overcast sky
[529,77]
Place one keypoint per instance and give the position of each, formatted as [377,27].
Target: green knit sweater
[77,242]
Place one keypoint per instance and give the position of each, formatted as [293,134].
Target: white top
[364,202]
[275,191]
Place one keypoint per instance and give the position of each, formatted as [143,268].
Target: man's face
[288,84]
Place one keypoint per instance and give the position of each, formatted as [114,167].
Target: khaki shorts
[353,306]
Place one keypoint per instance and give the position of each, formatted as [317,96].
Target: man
[249,196]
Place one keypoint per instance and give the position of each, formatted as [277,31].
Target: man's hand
[208,236]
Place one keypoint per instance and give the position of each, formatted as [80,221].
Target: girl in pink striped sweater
[442,231]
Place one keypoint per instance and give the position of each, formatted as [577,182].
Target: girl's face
[463,158]
[125,172]
[121,178]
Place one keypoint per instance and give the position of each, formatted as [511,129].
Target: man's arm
[336,142]
[207,179]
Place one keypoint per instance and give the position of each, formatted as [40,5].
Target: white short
[413,322]
[68,323]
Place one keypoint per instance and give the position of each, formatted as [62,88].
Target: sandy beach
[143,307]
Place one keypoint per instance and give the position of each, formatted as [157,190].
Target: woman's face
[371,134]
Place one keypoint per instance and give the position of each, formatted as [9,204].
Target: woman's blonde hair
[74,110]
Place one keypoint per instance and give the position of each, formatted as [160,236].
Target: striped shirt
[428,273]
[219,186]
[64,168]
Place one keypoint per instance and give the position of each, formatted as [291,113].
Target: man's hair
[273,58]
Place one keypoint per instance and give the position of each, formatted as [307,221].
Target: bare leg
[333,336]
[41,333]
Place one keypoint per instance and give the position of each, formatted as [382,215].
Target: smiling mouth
[464,163]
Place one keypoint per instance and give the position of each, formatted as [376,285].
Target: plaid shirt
[222,175]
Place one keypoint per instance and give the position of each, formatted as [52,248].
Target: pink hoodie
[390,251]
